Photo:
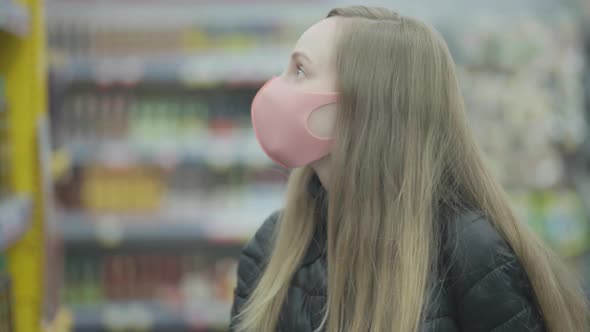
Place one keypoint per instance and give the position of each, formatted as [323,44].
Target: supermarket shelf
[240,150]
[15,217]
[14,18]
[204,69]
[84,233]
[147,316]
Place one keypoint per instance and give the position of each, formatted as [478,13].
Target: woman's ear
[321,121]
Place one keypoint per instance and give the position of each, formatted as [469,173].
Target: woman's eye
[300,71]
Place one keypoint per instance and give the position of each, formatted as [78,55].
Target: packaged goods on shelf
[97,50]
[164,277]
[174,125]
[521,83]
[193,150]
[123,190]
[170,280]
[108,35]
[186,189]
[221,215]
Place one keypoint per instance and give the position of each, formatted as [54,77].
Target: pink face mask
[279,117]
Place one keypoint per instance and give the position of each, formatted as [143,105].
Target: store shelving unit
[208,69]
[145,316]
[137,316]
[165,181]
[238,150]
[81,234]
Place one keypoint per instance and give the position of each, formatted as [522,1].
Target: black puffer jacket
[486,288]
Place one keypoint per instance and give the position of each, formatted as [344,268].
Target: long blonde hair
[404,150]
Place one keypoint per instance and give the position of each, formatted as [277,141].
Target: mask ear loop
[325,139]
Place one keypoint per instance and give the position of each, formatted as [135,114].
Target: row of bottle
[4,143]
[111,37]
[138,116]
[558,217]
[168,278]
[145,188]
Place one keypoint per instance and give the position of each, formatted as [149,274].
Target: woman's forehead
[319,40]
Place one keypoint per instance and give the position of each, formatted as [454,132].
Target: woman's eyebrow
[300,55]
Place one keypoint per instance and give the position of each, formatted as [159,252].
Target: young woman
[392,220]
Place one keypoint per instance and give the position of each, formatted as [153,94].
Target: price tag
[128,318]
[115,318]
[109,232]
[140,318]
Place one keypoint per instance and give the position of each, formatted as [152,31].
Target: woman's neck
[322,169]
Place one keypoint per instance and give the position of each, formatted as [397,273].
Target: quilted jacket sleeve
[490,287]
[251,263]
